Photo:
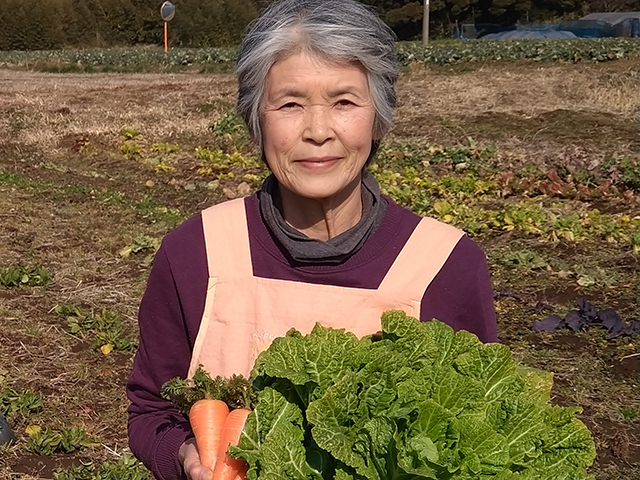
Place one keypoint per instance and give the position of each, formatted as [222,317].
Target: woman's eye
[344,103]
[289,105]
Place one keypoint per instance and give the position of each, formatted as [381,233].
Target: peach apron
[244,313]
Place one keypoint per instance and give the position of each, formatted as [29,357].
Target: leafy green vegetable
[417,402]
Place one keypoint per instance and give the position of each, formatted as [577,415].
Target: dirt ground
[93,164]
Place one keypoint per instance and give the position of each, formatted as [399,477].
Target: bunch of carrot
[217,410]
[215,428]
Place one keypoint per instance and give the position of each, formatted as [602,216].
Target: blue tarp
[522,34]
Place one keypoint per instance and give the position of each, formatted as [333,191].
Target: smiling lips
[318,163]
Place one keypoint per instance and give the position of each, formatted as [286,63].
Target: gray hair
[336,30]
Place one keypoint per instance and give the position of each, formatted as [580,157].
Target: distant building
[614,24]
[612,17]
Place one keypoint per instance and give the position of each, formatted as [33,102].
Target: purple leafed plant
[588,316]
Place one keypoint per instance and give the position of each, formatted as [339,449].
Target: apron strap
[225,230]
[432,241]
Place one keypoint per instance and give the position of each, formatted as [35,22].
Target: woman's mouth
[318,163]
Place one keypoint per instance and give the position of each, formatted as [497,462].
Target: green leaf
[272,439]
[313,362]
[494,368]
[416,402]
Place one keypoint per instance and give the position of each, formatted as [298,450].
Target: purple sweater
[173,304]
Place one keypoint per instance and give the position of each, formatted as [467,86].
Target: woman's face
[317,123]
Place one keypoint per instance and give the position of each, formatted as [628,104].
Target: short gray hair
[336,30]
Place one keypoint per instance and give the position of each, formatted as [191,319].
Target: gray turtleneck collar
[308,250]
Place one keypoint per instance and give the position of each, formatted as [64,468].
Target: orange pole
[165,37]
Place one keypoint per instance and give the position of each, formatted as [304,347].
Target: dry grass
[42,108]
[527,90]
[39,108]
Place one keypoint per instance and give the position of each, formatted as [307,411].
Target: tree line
[52,24]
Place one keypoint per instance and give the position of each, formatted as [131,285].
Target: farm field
[537,162]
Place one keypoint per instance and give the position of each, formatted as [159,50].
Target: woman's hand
[190,459]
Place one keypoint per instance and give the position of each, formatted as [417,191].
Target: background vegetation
[50,24]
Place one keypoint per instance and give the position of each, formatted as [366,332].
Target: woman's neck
[322,219]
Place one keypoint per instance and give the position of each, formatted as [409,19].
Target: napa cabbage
[416,402]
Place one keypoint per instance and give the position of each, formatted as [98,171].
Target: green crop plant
[104,329]
[415,400]
[231,124]
[149,208]
[113,198]
[216,160]
[24,277]
[580,49]
[524,259]
[223,58]
[568,227]
[48,442]
[142,243]
[529,219]
[130,149]
[160,164]
[129,133]
[464,186]
[166,148]
[629,414]
[231,130]
[470,156]
[19,403]
[399,154]
[584,177]
[125,468]
[630,174]
[635,242]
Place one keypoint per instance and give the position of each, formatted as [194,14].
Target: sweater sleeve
[156,428]
[169,319]
[461,294]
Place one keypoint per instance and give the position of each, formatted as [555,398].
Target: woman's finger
[190,460]
[196,471]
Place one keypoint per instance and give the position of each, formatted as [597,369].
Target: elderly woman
[318,243]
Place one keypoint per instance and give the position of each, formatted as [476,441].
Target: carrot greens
[235,391]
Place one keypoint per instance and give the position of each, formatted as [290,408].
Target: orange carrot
[242,473]
[207,418]
[228,468]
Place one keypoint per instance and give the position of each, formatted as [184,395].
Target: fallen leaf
[32,430]
[106,348]
[549,324]
[244,189]
[574,320]
[586,280]
[230,194]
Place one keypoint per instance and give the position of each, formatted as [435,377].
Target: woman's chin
[317,193]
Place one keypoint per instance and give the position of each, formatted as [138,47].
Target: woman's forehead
[302,65]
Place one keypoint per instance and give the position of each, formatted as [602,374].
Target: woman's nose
[318,124]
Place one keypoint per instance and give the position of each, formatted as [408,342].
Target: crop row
[574,50]
[149,58]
